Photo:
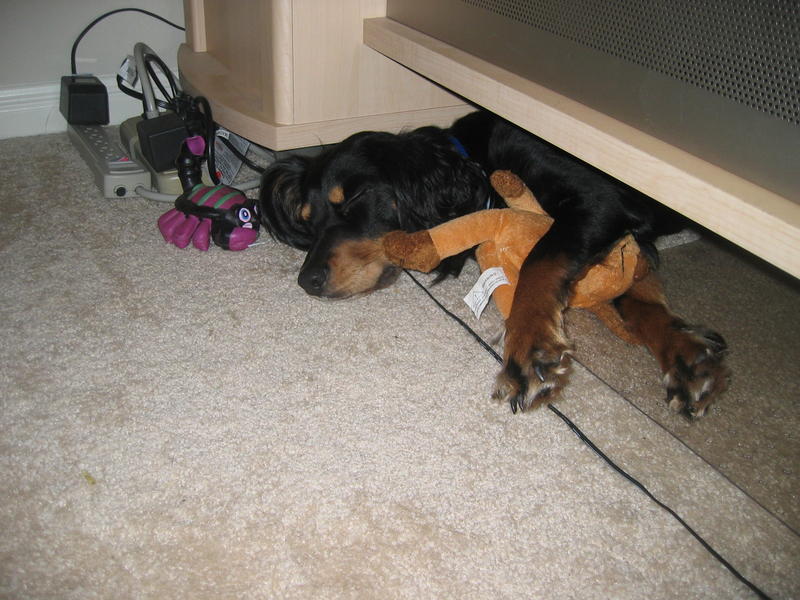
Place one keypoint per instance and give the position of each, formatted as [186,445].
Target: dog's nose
[313,280]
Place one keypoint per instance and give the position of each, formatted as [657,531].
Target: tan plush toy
[505,237]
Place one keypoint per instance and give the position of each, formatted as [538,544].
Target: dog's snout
[313,280]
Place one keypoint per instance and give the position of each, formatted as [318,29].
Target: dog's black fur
[358,190]
[338,205]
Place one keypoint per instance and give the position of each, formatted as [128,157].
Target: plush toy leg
[202,235]
[169,222]
[177,228]
[487,257]
[611,277]
[185,231]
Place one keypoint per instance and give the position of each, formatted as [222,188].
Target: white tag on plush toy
[489,281]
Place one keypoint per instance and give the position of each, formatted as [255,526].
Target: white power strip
[116,174]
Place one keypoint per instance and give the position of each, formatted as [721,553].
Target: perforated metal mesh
[745,50]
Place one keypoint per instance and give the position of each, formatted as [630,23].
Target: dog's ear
[284,208]
[469,191]
[451,188]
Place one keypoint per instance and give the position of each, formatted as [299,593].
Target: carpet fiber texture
[176,423]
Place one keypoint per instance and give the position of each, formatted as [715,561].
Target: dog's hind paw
[696,375]
[537,382]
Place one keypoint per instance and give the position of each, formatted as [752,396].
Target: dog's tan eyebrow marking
[336,195]
[305,211]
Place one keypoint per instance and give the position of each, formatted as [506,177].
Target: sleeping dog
[339,204]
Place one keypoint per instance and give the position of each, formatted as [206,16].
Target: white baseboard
[31,110]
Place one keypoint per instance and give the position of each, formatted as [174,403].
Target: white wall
[35,41]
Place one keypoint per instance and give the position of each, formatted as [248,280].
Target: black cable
[457,319]
[585,439]
[173,85]
[210,135]
[73,66]
[582,436]
[138,95]
[170,99]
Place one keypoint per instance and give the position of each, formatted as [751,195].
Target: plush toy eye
[244,215]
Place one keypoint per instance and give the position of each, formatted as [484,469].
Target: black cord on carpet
[585,439]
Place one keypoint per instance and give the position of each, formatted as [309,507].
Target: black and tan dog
[339,204]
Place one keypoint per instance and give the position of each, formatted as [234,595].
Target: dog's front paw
[694,373]
[534,382]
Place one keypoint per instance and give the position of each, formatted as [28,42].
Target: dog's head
[339,204]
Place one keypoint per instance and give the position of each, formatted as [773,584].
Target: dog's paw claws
[539,370]
[528,386]
[697,375]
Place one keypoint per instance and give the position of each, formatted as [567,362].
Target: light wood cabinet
[294,73]
[759,220]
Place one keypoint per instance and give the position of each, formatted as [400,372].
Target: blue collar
[463,152]
[459,146]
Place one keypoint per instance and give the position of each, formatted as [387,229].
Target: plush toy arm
[411,250]
[424,250]
[514,191]
[463,233]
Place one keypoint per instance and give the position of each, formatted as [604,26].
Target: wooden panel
[228,39]
[277,60]
[292,73]
[756,219]
[336,76]
[202,75]
[195,17]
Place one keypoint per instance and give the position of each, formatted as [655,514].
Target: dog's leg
[537,352]
[690,357]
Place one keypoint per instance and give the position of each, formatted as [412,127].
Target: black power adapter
[160,139]
[84,100]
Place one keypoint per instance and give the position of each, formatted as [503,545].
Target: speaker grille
[745,50]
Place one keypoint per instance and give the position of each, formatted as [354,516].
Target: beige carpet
[178,424]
